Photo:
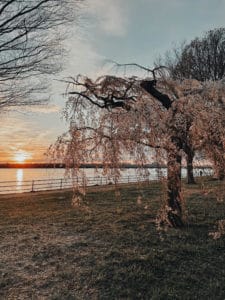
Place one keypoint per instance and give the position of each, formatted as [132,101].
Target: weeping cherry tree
[112,116]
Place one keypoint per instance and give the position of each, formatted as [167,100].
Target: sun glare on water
[21,156]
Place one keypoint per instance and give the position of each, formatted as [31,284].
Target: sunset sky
[121,30]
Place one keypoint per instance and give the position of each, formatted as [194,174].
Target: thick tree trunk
[190,175]
[174,200]
[174,215]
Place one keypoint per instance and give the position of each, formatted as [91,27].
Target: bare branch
[30,48]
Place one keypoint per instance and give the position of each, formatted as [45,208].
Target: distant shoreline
[88,166]
[63,166]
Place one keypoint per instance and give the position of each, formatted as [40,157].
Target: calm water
[22,178]
[21,175]
[37,174]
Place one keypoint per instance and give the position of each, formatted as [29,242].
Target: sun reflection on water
[19,179]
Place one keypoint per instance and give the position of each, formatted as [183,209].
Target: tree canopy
[112,115]
[202,59]
[31,35]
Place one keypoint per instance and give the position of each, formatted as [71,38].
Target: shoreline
[86,166]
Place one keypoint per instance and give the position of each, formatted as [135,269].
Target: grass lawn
[111,248]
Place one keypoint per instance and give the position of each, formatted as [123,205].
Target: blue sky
[121,30]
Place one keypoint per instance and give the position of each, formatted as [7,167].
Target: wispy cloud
[110,16]
[101,18]
[20,134]
[44,109]
[83,57]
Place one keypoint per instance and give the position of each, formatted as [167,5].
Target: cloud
[44,109]
[110,16]
[83,57]
[24,134]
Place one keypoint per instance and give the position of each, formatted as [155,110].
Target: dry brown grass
[50,250]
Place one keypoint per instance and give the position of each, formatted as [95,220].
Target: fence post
[61,184]
[32,188]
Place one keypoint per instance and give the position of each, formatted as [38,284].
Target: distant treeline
[88,165]
[62,166]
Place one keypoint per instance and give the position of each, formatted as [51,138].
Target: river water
[20,180]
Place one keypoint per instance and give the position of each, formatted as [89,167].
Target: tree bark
[190,174]
[174,199]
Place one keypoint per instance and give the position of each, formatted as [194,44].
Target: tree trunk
[174,214]
[190,175]
[174,200]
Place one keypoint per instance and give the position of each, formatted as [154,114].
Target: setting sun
[21,156]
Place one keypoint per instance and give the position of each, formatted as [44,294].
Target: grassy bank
[111,249]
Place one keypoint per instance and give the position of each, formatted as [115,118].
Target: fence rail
[8,187]
[20,186]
